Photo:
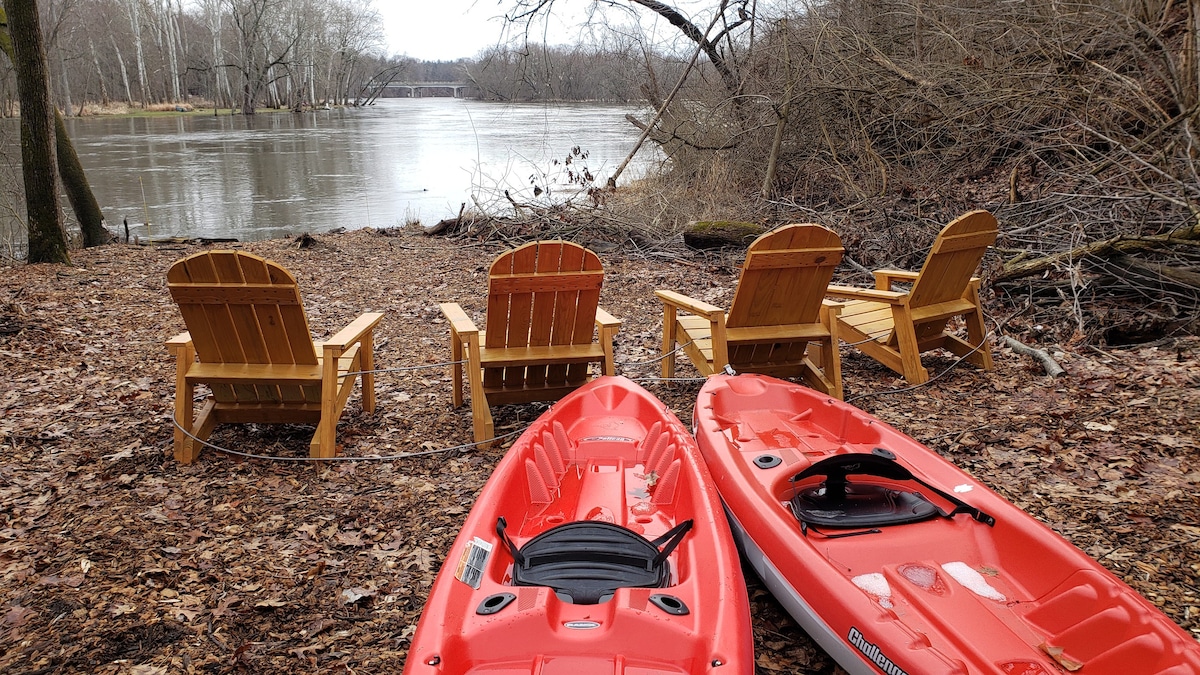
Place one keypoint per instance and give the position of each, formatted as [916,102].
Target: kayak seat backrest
[585,562]
[864,505]
[839,503]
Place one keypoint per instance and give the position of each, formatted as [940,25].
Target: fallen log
[713,234]
[1017,268]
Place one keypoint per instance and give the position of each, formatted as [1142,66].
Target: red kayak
[895,561]
[597,546]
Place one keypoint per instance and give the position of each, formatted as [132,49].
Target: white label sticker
[472,563]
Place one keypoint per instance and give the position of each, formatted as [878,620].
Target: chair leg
[831,356]
[366,350]
[669,341]
[609,366]
[481,413]
[184,356]
[977,332]
[202,428]
[324,442]
[456,370]
[720,346]
[910,351]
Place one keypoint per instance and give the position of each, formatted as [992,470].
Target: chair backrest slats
[785,276]
[240,308]
[953,260]
[542,294]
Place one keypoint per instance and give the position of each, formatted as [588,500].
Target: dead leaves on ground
[114,559]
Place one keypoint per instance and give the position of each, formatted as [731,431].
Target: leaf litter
[116,559]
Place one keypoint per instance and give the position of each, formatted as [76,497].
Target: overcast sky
[442,30]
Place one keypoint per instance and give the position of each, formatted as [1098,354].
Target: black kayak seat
[863,505]
[839,503]
[585,562]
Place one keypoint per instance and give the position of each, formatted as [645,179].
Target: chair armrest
[460,323]
[181,340]
[354,332]
[606,320]
[698,307]
[891,297]
[884,278]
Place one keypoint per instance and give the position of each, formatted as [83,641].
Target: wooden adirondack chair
[776,313]
[895,328]
[247,326]
[543,300]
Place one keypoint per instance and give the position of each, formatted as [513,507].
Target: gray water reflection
[274,175]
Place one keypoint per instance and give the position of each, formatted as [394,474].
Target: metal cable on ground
[669,379]
[931,380]
[381,458]
[404,369]
[659,359]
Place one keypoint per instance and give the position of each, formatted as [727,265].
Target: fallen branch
[1041,356]
[1108,247]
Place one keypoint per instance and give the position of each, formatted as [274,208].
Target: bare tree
[133,13]
[79,192]
[47,242]
[266,36]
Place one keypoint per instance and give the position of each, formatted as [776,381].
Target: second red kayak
[897,562]
[598,546]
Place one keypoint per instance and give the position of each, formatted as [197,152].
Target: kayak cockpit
[585,562]
[837,502]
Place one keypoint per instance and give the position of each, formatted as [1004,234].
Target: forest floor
[116,559]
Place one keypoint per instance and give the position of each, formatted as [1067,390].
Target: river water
[386,165]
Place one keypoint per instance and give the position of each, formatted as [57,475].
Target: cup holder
[494,603]
[669,604]
[767,461]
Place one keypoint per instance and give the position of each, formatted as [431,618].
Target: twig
[1041,356]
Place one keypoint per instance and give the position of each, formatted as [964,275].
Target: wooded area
[234,54]
[1075,123]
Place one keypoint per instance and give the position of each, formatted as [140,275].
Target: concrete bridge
[425,89]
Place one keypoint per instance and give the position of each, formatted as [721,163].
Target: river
[397,162]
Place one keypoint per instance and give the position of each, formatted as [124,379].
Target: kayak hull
[990,590]
[608,453]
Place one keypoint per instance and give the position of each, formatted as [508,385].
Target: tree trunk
[171,38]
[47,242]
[717,234]
[99,73]
[79,193]
[781,116]
[711,48]
[135,26]
[68,104]
[124,70]
[1103,249]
